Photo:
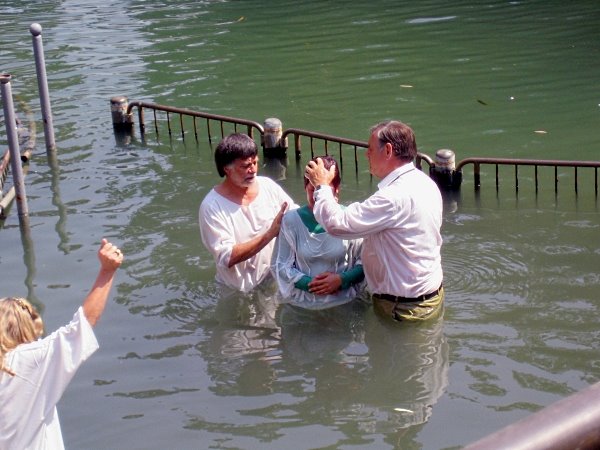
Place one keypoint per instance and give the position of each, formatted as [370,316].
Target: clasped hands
[325,283]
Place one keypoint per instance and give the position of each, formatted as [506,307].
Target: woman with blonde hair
[35,372]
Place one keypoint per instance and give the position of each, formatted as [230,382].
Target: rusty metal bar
[497,177]
[573,422]
[327,138]
[252,125]
[297,132]
[155,122]
[525,162]
[169,123]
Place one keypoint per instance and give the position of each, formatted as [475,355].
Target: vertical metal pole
[13,145]
[40,65]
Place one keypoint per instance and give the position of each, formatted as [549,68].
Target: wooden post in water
[274,149]
[273,145]
[40,65]
[118,110]
[13,145]
[444,170]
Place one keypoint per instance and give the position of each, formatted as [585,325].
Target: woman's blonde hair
[20,323]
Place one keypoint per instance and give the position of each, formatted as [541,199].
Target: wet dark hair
[232,147]
[328,161]
[400,135]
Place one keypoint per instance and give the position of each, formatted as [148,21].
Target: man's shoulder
[270,186]
[268,182]
[209,198]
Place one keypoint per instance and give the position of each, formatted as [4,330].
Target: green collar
[308,219]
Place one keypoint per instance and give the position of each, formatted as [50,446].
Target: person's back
[42,371]
[412,229]
[34,373]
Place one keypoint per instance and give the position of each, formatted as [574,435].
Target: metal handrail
[446,179]
[250,124]
[298,133]
[573,422]
[477,162]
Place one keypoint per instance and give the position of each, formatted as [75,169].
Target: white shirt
[300,252]
[224,223]
[400,226]
[44,368]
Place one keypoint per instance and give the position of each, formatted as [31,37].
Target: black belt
[398,299]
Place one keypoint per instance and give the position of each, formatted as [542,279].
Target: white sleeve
[216,233]
[356,220]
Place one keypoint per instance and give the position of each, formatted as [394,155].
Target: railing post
[272,144]
[40,65]
[476,176]
[444,171]
[274,149]
[13,145]
[118,110]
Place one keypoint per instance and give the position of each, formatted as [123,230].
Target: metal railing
[181,112]
[571,423]
[447,178]
[536,163]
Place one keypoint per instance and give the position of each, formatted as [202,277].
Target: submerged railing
[536,163]
[181,112]
[274,140]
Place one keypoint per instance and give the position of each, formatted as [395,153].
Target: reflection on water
[342,370]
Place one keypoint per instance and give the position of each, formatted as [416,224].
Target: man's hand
[317,174]
[276,225]
[244,250]
[109,255]
[325,283]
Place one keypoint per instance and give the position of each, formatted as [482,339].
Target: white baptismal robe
[43,368]
[299,252]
